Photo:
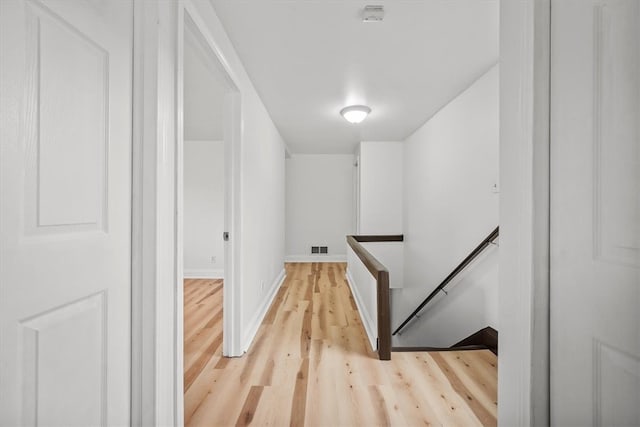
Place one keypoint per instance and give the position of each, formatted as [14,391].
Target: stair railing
[381,274]
[473,255]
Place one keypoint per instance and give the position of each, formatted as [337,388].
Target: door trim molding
[144,220]
[156,334]
[156,390]
[525,51]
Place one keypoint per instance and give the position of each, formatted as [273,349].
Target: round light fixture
[355,113]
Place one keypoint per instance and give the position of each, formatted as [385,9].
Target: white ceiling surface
[204,93]
[309,58]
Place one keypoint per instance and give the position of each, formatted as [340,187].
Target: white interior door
[65,165]
[595,212]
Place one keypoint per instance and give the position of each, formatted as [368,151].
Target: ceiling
[309,58]
[204,93]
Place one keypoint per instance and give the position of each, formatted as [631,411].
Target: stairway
[484,339]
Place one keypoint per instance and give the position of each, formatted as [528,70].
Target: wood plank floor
[202,325]
[311,364]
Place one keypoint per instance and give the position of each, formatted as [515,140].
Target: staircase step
[484,339]
[487,337]
[455,348]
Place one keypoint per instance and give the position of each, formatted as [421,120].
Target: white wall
[450,168]
[319,205]
[391,255]
[380,183]
[204,90]
[203,209]
[471,304]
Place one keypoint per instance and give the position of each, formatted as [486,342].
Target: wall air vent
[319,250]
[373,14]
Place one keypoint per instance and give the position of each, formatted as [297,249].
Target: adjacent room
[203,205]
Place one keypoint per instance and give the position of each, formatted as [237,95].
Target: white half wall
[450,206]
[319,206]
[203,209]
[380,187]
[364,290]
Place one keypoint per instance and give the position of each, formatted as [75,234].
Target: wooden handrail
[381,274]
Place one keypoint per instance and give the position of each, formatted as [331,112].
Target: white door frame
[153,384]
[523,380]
[157,277]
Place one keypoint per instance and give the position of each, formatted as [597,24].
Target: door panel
[616,131]
[51,343]
[70,198]
[65,182]
[595,212]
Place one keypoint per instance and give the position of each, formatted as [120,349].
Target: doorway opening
[206,164]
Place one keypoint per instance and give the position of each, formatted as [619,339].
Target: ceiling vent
[373,14]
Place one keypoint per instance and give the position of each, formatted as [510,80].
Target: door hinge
[225,236]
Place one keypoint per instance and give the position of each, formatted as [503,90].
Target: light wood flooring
[202,325]
[311,364]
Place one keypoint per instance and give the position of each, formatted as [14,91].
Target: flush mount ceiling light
[355,113]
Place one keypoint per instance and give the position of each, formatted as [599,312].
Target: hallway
[310,364]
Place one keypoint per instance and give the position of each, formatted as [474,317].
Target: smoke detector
[373,14]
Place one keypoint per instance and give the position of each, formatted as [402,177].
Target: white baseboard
[254,324]
[369,328]
[203,274]
[315,258]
